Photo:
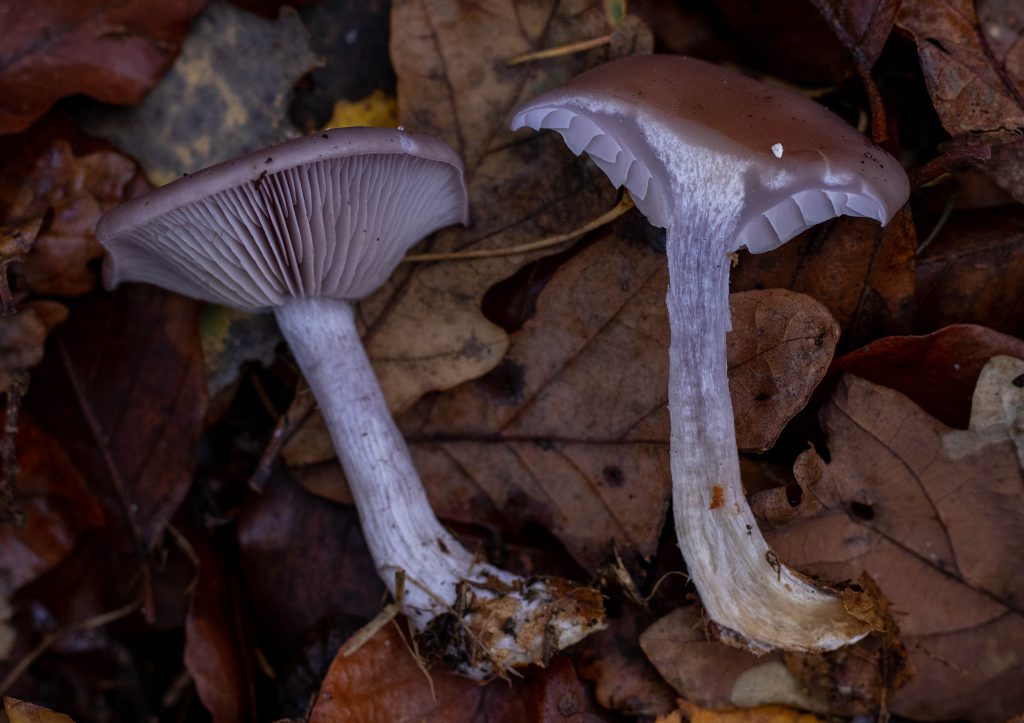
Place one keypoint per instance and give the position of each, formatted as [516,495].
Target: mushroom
[305,228]
[722,162]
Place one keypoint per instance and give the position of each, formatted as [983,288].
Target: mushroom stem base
[744,587]
[479,618]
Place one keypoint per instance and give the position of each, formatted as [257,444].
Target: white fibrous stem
[480,619]
[758,602]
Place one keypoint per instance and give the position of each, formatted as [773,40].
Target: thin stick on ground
[605,218]
[97,621]
[559,51]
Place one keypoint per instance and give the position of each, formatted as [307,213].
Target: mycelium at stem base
[478,618]
[757,602]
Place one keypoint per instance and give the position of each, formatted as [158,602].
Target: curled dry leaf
[973,67]
[210,107]
[23,335]
[571,429]
[113,51]
[938,371]
[77,189]
[936,517]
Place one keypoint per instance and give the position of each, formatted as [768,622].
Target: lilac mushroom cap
[304,229]
[327,215]
[722,162]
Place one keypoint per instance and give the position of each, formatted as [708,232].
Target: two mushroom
[308,227]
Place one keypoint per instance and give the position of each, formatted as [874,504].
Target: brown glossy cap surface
[330,215]
[645,118]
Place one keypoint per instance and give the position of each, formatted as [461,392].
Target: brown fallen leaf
[382,682]
[862,273]
[938,371]
[19,711]
[715,675]
[112,51]
[972,68]
[571,429]
[59,508]
[624,681]
[760,714]
[216,651]
[424,330]
[124,392]
[303,561]
[23,335]
[77,189]
[973,272]
[782,344]
[938,524]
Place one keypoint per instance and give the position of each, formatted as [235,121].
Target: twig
[12,511]
[97,621]
[389,613]
[568,49]
[620,208]
[952,160]
[287,424]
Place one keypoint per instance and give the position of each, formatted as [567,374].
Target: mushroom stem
[742,584]
[487,619]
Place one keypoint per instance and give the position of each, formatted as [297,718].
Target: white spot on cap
[777,150]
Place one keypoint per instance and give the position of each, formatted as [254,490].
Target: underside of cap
[643,120]
[328,215]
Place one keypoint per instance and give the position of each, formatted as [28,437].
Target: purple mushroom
[723,162]
[305,229]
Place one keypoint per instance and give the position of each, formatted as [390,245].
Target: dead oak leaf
[424,330]
[938,523]
[571,429]
[112,51]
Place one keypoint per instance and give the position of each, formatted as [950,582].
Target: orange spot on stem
[717,497]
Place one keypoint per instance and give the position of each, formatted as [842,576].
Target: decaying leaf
[862,273]
[973,68]
[623,679]
[19,711]
[216,651]
[113,51]
[226,94]
[58,504]
[938,371]
[382,681]
[938,523]
[715,675]
[973,272]
[780,349]
[424,330]
[125,394]
[571,429]
[77,189]
[22,336]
